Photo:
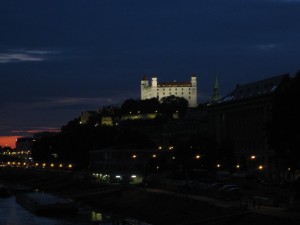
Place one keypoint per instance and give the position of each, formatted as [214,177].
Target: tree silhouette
[173,105]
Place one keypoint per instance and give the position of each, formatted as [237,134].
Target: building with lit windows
[241,118]
[155,89]
[127,165]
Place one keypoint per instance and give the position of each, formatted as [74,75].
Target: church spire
[216,95]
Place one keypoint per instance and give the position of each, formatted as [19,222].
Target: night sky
[59,58]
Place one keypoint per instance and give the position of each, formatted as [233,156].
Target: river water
[11,213]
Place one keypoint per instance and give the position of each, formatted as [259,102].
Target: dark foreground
[127,201]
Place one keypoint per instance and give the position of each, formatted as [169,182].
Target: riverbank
[126,201]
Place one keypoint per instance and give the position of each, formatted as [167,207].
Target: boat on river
[46,204]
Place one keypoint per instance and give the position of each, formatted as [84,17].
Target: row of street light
[37,165]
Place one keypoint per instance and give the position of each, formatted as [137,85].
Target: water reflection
[11,213]
[103,219]
[96,216]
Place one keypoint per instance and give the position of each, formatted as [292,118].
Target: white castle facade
[187,90]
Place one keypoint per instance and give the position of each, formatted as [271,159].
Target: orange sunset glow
[8,141]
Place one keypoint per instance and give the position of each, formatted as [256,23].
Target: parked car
[233,194]
[220,193]
[227,187]
[214,186]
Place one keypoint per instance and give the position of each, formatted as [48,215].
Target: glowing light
[260,167]
[197,156]
[218,165]
[253,157]
[237,166]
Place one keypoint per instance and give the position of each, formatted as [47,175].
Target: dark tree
[150,105]
[173,105]
[129,105]
[71,125]
[140,106]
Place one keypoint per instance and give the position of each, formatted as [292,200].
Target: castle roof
[174,84]
[144,77]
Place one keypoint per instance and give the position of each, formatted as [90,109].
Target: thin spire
[216,95]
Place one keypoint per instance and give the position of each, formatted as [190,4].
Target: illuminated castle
[187,90]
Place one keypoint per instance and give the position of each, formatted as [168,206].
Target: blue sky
[59,58]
